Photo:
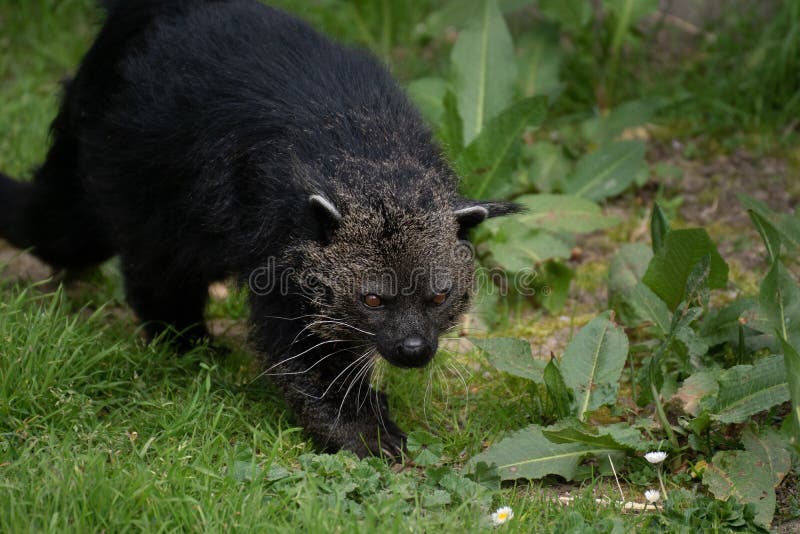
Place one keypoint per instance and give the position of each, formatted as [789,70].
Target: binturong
[207,139]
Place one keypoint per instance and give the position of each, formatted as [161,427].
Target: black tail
[14,197]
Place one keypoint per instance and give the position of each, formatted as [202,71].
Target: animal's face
[397,280]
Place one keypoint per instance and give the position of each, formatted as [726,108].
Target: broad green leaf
[631,10]
[557,390]
[659,226]
[669,271]
[512,356]
[787,226]
[488,162]
[608,171]
[722,325]
[454,14]
[769,234]
[529,454]
[791,359]
[770,447]
[428,95]
[626,269]
[744,476]
[593,362]
[547,168]
[556,280]
[745,390]
[626,14]
[779,299]
[571,15]
[426,448]
[572,431]
[628,266]
[603,129]
[450,128]
[485,69]
[649,307]
[563,213]
[696,391]
[525,250]
[539,62]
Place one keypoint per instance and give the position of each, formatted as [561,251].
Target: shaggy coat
[208,139]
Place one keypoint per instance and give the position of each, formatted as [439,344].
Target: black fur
[190,142]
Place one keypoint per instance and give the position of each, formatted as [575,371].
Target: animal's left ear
[328,217]
[474,212]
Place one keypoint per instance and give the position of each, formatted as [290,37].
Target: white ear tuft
[323,203]
[472,213]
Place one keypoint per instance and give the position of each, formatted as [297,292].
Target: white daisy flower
[652,496]
[655,457]
[502,515]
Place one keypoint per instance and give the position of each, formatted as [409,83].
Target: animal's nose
[414,348]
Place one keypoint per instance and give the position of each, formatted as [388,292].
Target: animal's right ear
[328,217]
[474,212]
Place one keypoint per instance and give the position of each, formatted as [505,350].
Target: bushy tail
[14,196]
[53,220]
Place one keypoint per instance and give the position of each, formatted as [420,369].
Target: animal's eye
[372,300]
[439,298]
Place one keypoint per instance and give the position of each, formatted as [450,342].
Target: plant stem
[663,416]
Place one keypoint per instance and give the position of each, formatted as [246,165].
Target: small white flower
[502,515]
[652,496]
[655,457]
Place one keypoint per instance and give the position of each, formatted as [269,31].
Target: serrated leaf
[529,454]
[608,171]
[593,362]
[512,356]
[744,476]
[485,69]
[277,472]
[563,213]
[490,159]
[436,497]
[669,271]
[426,448]
[428,95]
[245,471]
[745,390]
[770,447]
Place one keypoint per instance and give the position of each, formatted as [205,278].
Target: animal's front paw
[373,438]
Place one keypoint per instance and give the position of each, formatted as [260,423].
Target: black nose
[414,348]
